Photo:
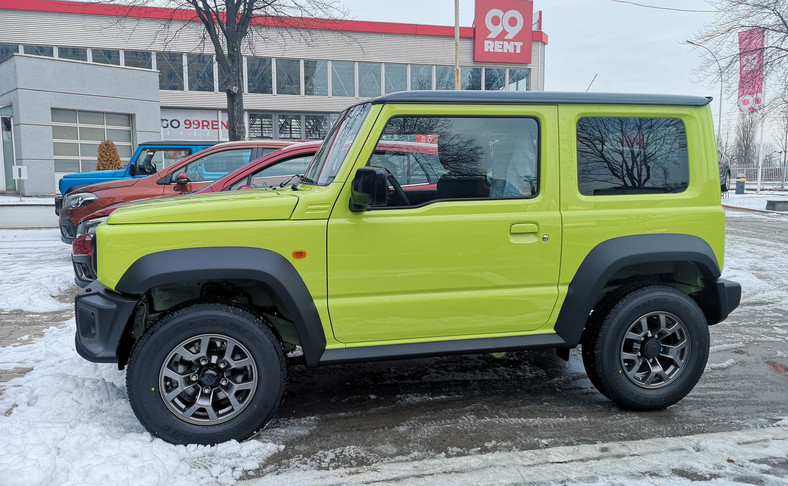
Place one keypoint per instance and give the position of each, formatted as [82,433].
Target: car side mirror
[132,169]
[368,188]
[181,179]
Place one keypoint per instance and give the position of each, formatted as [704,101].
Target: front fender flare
[234,263]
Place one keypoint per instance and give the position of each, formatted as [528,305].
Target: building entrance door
[7,182]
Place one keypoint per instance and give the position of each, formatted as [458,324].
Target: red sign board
[503,31]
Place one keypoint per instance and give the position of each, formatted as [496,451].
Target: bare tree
[721,37]
[745,149]
[231,25]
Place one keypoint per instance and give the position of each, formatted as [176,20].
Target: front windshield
[332,152]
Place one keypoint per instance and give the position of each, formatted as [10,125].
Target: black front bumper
[68,231]
[102,316]
[58,203]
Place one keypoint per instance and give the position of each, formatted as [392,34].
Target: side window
[215,166]
[631,156]
[439,158]
[273,175]
[154,160]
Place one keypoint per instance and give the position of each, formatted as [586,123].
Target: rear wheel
[205,374]
[649,349]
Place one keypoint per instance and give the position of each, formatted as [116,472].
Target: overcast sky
[630,48]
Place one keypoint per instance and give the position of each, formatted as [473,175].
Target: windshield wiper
[301,178]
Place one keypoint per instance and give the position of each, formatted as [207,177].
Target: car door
[478,257]
[205,170]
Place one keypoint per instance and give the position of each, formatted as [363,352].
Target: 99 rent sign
[503,31]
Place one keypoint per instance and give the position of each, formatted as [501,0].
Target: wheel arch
[648,256]
[233,264]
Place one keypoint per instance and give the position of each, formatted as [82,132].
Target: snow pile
[46,271]
[69,421]
[27,201]
[753,200]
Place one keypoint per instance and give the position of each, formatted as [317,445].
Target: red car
[278,168]
[186,175]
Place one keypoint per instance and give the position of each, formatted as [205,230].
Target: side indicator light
[299,254]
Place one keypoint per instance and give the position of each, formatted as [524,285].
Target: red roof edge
[83,8]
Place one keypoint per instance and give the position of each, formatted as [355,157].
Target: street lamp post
[719,66]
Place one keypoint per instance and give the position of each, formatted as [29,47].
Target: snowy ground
[751,200]
[68,421]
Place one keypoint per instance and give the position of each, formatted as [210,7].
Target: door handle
[523,228]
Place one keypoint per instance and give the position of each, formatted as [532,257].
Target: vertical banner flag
[751,70]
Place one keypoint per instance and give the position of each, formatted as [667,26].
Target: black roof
[177,142]
[540,97]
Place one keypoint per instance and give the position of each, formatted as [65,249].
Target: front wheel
[206,374]
[649,350]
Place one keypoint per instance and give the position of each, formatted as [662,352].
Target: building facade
[296,77]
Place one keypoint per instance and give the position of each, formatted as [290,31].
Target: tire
[185,387]
[649,349]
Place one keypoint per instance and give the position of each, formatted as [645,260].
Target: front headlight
[79,200]
[89,227]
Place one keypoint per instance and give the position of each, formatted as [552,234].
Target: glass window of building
[170,66]
[47,51]
[7,50]
[258,75]
[494,79]
[471,78]
[76,136]
[289,126]
[420,77]
[368,79]
[73,53]
[106,56]
[396,77]
[138,59]
[444,77]
[261,126]
[316,126]
[519,80]
[288,76]
[343,78]
[200,67]
[316,78]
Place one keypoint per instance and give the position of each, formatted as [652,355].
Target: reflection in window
[519,80]
[73,53]
[215,166]
[258,73]
[396,77]
[138,59]
[459,157]
[343,79]
[368,79]
[444,77]
[316,127]
[7,50]
[47,51]
[316,78]
[471,78]
[420,77]
[170,66]
[106,56]
[631,156]
[288,76]
[200,68]
[494,79]
[261,126]
[289,127]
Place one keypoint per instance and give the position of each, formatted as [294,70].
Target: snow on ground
[35,201]
[69,421]
[752,200]
[36,267]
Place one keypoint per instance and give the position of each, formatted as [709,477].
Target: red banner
[503,31]
[751,70]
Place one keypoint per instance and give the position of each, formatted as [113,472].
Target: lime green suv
[428,223]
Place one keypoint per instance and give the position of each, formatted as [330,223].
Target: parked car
[556,219]
[187,175]
[149,158]
[725,171]
[277,169]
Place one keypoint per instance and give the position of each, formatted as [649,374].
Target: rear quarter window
[620,155]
